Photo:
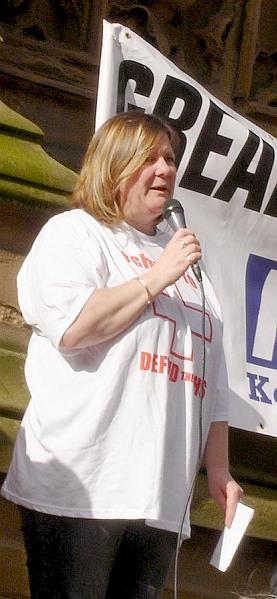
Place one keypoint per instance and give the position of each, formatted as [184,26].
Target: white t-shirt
[112,431]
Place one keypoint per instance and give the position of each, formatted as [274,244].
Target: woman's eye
[167,159]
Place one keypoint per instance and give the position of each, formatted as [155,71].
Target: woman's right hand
[182,251]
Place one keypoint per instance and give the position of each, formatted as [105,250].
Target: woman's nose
[162,167]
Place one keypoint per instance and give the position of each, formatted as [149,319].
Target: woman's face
[143,195]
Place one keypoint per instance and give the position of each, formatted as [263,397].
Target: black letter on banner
[271,208]
[238,175]
[208,141]
[171,90]
[142,75]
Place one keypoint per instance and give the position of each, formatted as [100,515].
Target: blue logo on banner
[261,311]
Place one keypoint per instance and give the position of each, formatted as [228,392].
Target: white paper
[230,538]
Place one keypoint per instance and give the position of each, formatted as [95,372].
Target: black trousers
[79,558]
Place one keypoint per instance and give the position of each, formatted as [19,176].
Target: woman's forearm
[216,454]
[107,313]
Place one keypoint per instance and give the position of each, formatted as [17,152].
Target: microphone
[173,212]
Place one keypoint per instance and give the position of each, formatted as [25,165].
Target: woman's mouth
[159,189]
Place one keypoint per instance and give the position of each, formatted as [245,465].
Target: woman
[108,448]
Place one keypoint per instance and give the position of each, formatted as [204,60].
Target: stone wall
[49,57]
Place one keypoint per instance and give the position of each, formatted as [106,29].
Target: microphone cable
[200,441]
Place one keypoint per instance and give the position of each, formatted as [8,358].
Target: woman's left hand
[225,491]
[222,487]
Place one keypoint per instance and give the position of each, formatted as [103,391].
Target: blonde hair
[117,150]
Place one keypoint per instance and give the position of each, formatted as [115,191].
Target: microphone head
[172,205]
[173,212]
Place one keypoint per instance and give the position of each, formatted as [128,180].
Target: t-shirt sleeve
[63,268]
[220,405]
[221,411]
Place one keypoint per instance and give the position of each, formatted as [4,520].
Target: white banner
[226,181]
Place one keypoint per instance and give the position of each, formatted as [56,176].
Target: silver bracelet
[150,298]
